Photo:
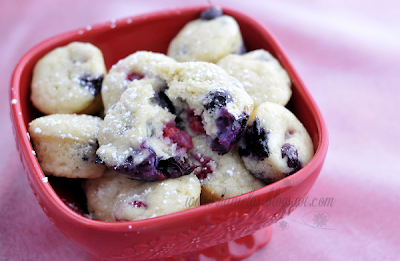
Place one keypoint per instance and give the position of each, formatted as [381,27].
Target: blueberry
[211,13]
[93,85]
[262,176]
[230,130]
[292,159]
[88,151]
[161,99]
[243,49]
[98,160]
[150,167]
[179,122]
[143,170]
[255,142]
[173,167]
[216,99]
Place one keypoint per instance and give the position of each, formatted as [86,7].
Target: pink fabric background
[348,55]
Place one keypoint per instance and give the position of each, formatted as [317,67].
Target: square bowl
[194,230]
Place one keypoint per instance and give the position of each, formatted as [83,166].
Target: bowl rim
[25,147]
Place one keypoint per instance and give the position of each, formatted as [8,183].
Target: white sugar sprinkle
[45,179]
[38,130]
[113,25]
[130,227]
[133,95]
[229,172]
[33,152]
[164,201]
[14,101]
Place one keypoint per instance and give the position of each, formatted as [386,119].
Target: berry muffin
[139,139]
[207,39]
[221,176]
[68,80]
[66,144]
[114,197]
[210,94]
[261,75]
[275,143]
[136,66]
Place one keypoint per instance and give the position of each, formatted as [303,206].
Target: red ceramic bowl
[225,230]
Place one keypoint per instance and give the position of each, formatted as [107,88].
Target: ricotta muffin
[275,143]
[66,144]
[68,80]
[114,197]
